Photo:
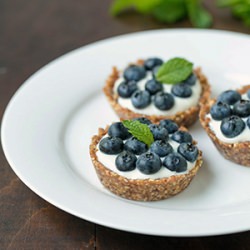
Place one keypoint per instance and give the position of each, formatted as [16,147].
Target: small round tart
[227,122]
[135,92]
[138,171]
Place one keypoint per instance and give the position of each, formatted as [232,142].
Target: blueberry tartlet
[157,90]
[227,122]
[143,161]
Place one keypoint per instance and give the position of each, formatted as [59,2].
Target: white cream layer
[215,127]
[109,162]
[180,104]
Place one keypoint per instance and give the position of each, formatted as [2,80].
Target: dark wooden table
[32,33]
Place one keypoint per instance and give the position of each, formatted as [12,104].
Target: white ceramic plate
[48,124]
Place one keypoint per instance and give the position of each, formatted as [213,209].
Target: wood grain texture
[32,33]
[108,239]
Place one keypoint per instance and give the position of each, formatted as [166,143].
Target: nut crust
[235,152]
[185,118]
[137,189]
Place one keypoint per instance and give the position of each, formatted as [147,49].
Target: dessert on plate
[227,122]
[157,90]
[143,161]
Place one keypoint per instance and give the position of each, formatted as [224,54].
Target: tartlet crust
[185,118]
[235,152]
[140,189]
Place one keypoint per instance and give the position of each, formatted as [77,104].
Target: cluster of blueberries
[132,153]
[232,111]
[153,89]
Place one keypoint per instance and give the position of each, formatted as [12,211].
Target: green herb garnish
[139,130]
[142,6]
[239,8]
[170,11]
[167,11]
[174,71]
[198,16]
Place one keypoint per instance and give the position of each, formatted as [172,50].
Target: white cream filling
[180,104]
[215,127]
[109,162]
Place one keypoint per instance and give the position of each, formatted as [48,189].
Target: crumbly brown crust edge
[137,189]
[185,118]
[235,152]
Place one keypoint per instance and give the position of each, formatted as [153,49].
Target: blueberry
[155,70]
[125,161]
[170,125]
[242,108]
[232,126]
[126,89]
[111,145]
[189,151]
[220,111]
[150,63]
[181,136]
[191,80]
[141,99]
[148,163]
[161,148]
[175,162]
[143,120]
[229,96]
[248,122]
[163,101]
[135,146]
[152,86]
[159,132]
[135,73]
[248,93]
[181,90]
[118,130]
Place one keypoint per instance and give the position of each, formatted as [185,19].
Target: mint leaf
[224,3]
[140,131]
[120,5]
[143,6]
[199,17]
[242,10]
[239,8]
[170,11]
[174,71]
[247,21]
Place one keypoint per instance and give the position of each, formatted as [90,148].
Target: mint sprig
[198,15]
[174,71]
[239,8]
[139,130]
[167,11]
[142,6]
[170,11]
